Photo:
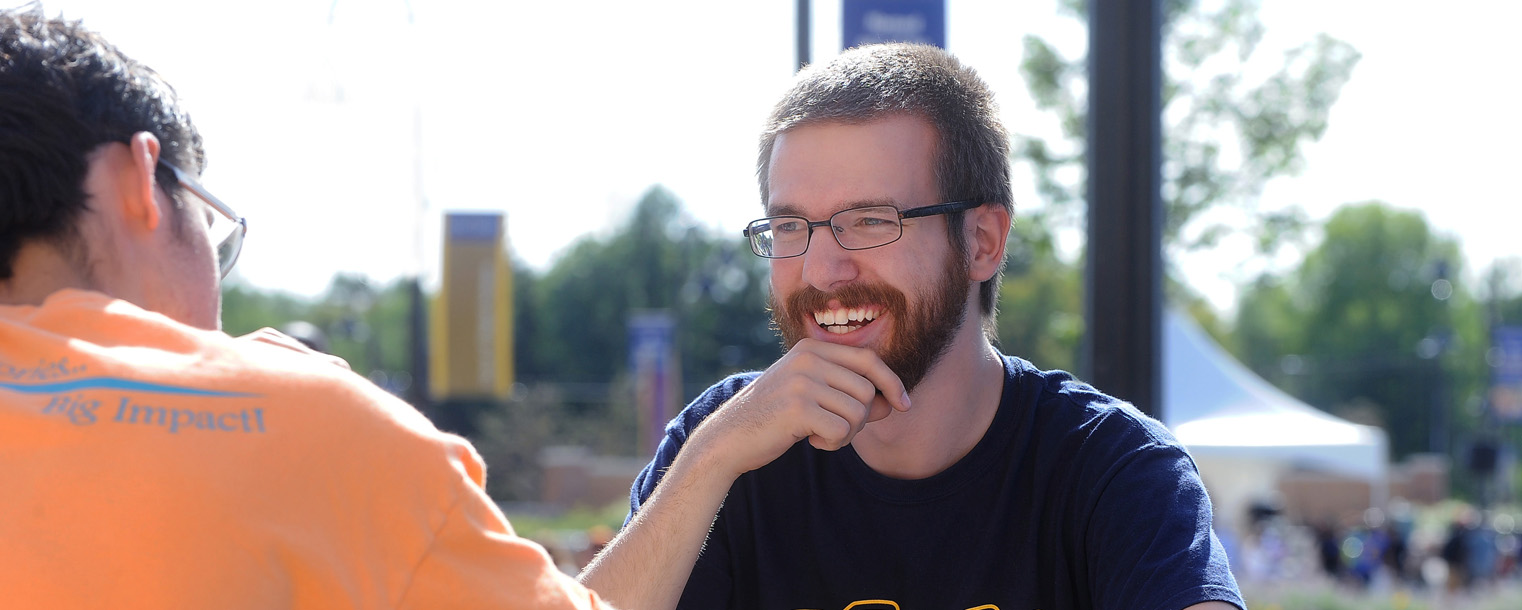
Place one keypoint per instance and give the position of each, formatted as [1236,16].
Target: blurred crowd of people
[1473,550]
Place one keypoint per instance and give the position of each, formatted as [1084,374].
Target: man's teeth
[835,320]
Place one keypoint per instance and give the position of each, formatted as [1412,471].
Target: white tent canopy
[1244,433]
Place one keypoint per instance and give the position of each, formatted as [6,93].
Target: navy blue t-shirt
[1071,499]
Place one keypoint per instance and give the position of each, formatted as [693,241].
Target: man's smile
[844,320]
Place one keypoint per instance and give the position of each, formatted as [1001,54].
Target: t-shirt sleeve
[676,434]
[476,561]
[1150,537]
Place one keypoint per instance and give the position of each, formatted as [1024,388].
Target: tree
[1503,283]
[365,326]
[1040,300]
[1374,324]
[1226,134]
[246,309]
[715,287]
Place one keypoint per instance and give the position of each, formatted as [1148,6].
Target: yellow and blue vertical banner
[471,338]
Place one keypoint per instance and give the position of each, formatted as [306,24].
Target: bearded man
[893,457]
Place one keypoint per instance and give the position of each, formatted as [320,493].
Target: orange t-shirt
[147,464]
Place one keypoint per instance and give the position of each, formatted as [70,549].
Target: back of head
[870,82]
[64,91]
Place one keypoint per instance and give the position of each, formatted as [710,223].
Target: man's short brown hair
[870,82]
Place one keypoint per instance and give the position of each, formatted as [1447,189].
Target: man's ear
[139,197]
[987,228]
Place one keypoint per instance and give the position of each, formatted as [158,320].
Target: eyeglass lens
[853,229]
[228,249]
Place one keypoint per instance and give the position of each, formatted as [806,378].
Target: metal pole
[1123,300]
[803,31]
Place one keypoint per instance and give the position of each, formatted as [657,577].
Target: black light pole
[1123,302]
[803,32]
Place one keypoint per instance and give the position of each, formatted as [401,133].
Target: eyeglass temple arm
[941,208]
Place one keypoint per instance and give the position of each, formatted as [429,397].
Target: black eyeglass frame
[949,207]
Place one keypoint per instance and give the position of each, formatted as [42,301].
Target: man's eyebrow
[786,209]
[783,210]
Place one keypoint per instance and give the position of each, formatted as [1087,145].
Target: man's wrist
[703,464]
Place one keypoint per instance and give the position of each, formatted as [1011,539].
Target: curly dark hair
[869,82]
[64,91]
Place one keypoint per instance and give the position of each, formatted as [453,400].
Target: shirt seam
[454,506]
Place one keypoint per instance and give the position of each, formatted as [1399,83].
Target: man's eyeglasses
[854,229]
[227,227]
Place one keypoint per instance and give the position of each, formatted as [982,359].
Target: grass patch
[541,527]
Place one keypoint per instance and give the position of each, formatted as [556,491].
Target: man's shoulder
[1061,401]
[105,344]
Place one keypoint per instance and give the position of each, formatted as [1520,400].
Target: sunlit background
[562,113]
[1361,273]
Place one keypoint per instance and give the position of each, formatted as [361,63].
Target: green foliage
[1040,301]
[1358,328]
[1225,133]
[246,309]
[363,325]
[1503,288]
[1225,136]
[537,526]
[575,315]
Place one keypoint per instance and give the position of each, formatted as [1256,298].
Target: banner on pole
[873,21]
[653,359]
[1505,359]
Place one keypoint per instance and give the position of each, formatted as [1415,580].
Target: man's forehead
[818,169]
[795,209]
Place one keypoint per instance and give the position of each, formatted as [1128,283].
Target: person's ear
[140,198]
[987,228]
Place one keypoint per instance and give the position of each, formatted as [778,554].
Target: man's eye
[787,226]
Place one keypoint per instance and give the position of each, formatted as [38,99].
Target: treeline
[1381,324]
[1378,324]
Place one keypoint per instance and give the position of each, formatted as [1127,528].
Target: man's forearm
[646,566]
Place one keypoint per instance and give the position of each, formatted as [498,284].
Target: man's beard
[919,338]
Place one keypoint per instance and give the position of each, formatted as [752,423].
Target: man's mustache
[809,299]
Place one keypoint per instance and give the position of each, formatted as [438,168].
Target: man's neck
[952,408]
[38,271]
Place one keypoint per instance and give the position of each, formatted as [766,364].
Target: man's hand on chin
[819,391]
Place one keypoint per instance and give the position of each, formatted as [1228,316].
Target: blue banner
[873,21]
[1505,360]
[473,226]
[657,374]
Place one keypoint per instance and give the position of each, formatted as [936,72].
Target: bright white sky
[562,113]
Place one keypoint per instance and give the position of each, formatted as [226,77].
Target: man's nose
[826,265]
